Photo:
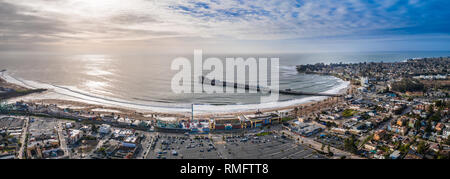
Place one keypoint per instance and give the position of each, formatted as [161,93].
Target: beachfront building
[74,136]
[246,123]
[285,113]
[226,123]
[260,119]
[170,124]
[200,126]
[105,129]
[167,122]
[364,81]
[305,129]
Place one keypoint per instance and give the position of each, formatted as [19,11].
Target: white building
[69,125]
[446,132]
[364,81]
[105,129]
[74,135]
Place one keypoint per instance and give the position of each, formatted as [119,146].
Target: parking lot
[173,146]
[40,126]
[332,140]
[11,122]
[266,147]
[272,146]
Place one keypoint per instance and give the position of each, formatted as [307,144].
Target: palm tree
[296,111]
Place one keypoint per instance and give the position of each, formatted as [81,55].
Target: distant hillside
[408,85]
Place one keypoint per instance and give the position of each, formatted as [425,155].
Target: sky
[223,26]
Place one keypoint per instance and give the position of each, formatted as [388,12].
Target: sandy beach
[67,99]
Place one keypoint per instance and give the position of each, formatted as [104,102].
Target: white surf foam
[74,94]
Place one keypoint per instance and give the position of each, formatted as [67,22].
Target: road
[219,144]
[102,141]
[146,146]
[62,141]
[317,146]
[22,139]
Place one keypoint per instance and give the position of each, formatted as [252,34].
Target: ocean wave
[74,94]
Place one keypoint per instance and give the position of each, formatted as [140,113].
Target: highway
[62,141]
[22,139]
[317,145]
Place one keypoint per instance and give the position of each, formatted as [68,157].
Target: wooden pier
[260,89]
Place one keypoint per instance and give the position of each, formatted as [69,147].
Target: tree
[348,113]
[330,124]
[430,109]
[436,116]
[365,116]
[94,128]
[428,127]
[448,141]
[379,109]
[408,85]
[404,148]
[417,125]
[438,103]
[422,147]
[350,144]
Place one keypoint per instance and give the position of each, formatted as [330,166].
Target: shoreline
[53,96]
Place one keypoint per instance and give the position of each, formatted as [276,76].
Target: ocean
[144,81]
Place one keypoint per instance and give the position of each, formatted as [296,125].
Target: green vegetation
[408,85]
[94,128]
[89,138]
[441,156]
[263,133]
[329,151]
[379,109]
[404,148]
[365,116]
[384,148]
[422,147]
[400,110]
[286,119]
[102,150]
[17,93]
[441,104]
[436,116]
[349,112]
[331,124]
[350,144]
[367,139]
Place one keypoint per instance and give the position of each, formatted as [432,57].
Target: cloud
[281,19]
[128,19]
[106,21]
[16,27]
